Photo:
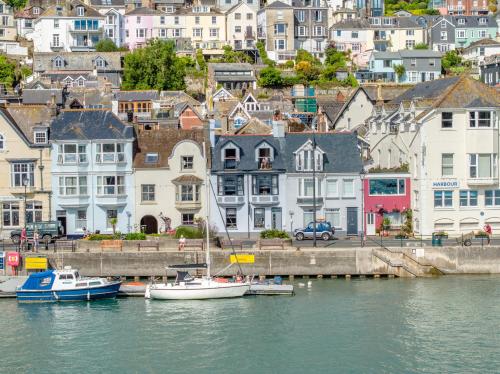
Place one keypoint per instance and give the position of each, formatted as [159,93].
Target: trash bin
[437,240]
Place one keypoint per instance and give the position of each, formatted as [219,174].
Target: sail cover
[187,266]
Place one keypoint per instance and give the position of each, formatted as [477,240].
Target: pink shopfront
[385,196]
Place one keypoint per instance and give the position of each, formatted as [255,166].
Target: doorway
[61,218]
[370,223]
[352,221]
[149,225]
[276,223]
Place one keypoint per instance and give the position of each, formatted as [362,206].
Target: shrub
[100,237]
[135,236]
[188,232]
[274,234]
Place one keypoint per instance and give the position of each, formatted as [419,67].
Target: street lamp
[25,184]
[314,187]
[362,174]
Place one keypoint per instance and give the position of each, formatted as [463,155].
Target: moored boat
[65,285]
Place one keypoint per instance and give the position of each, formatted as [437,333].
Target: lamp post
[362,174]
[314,188]
[25,184]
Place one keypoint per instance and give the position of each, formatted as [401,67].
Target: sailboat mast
[207,203]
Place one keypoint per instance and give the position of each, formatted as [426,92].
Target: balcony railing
[249,35]
[230,163]
[74,30]
[56,47]
[482,181]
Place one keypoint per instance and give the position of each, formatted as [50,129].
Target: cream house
[25,164]
[446,132]
[241,26]
[206,27]
[170,170]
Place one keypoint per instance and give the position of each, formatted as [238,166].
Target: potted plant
[480,234]
[386,225]
[442,234]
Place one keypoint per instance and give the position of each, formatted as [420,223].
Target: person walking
[488,231]
[23,238]
[36,241]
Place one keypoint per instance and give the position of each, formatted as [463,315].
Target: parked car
[324,230]
[47,231]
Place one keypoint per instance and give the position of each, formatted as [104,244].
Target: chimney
[107,87]
[211,131]
[224,124]
[340,97]
[53,98]
[279,129]
[380,100]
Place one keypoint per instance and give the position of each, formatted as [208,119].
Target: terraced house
[92,175]
[25,164]
[311,26]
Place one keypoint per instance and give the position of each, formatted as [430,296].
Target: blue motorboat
[65,285]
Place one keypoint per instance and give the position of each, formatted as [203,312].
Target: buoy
[309,284]
[302,284]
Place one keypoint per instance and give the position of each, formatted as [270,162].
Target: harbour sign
[445,184]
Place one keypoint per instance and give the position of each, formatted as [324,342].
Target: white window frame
[80,154]
[116,188]
[115,156]
[344,194]
[40,137]
[79,188]
[80,11]
[148,193]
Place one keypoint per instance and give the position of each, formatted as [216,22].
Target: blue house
[92,171]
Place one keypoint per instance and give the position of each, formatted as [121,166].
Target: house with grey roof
[417,66]
[92,171]
[231,76]
[311,26]
[114,11]
[490,71]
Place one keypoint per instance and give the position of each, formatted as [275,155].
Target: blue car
[324,230]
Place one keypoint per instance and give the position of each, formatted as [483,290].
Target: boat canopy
[40,281]
[187,266]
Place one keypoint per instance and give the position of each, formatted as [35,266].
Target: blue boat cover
[40,281]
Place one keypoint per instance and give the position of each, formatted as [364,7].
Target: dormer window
[461,21]
[99,63]
[80,11]
[58,62]
[230,158]
[36,10]
[40,137]
[305,161]
[483,21]
[264,155]
[151,158]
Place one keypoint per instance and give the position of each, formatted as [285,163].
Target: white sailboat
[186,287]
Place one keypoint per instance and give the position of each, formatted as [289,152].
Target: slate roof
[27,13]
[107,3]
[175,97]
[90,96]
[247,145]
[80,61]
[143,11]
[388,92]
[187,179]
[42,97]
[69,10]
[162,141]
[146,95]
[426,90]
[407,53]
[363,23]
[89,124]
[26,118]
[277,5]
[233,66]
[482,42]
[473,21]
[342,154]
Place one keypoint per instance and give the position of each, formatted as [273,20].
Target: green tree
[307,71]
[16,4]
[106,45]
[335,58]
[263,54]
[155,66]
[270,77]
[303,55]
[451,60]
[7,72]
[350,81]
[421,46]
[200,60]
[399,70]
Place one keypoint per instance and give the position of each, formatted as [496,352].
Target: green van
[47,231]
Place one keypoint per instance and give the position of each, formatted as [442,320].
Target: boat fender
[221,280]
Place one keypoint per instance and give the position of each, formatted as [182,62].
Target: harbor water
[446,324]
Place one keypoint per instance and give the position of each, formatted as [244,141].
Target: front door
[352,221]
[61,217]
[370,223]
[276,219]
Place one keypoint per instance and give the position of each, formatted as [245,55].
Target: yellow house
[25,189]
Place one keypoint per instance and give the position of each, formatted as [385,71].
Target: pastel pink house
[139,26]
[385,196]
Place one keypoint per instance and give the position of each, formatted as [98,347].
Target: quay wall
[350,261]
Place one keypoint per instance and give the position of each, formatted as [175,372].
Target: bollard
[291,277]
[376,276]
[319,276]
[348,276]
[137,279]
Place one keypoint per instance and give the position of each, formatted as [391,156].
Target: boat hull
[213,290]
[107,291]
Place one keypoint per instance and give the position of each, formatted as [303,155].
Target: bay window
[482,165]
[110,152]
[72,186]
[481,119]
[110,185]
[230,185]
[265,184]
[188,193]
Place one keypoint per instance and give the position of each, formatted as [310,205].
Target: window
[279,29]
[229,185]
[413,62]
[230,158]
[198,33]
[214,20]
[36,11]
[140,33]
[110,152]
[301,31]
[187,163]
[300,15]
[432,62]
[162,20]
[332,188]
[387,186]
[231,218]
[80,11]
[446,164]
[81,219]
[481,119]
[333,216]
[55,43]
[468,198]
[176,20]
[151,158]
[318,15]
[446,120]
[482,33]
[444,35]
[492,197]
[214,33]
[280,44]
[111,214]
[56,23]
[348,188]
[23,171]
[138,20]
[483,21]
[237,29]
[304,160]
[147,192]
[10,214]
[187,218]
[72,153]
[40,137]
[387,63]
[259,218]
[410,44]
[264,158]
[482,165]
[197,20]
[2,143]
[110,185]
[237,16]
[72,186]
[33,211]
[176,33]
[188,193]
[354,34]
[308,217]
[306,187]
[318,30]
[265,184]
[99,62]
[461,34]
[461,21]
[410,32]
[443,199]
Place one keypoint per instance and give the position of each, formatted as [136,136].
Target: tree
[399,70]
[421,46]
[106,45]
[263,54]
[114,222]
[451,60]
[350,81]
[155,66]
[270,77]
[303,55]
[7,72]
[233,56]
[307,71]
[16,4]
[335,58]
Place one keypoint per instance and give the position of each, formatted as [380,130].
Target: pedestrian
[488,231]
[23,238]
[36,240]
[182,242]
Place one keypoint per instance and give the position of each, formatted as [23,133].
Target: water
[450,324]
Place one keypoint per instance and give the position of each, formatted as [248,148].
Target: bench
[111,244]
[148,245]
[226,244]
[194,243]
[269,243]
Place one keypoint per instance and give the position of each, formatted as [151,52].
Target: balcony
[82,47]
[56,46]
[265,199]
[230,164]
[309,201]
[482,181]
[188,205]
[77,201]
[249,35]
[231,200]
[73,30]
